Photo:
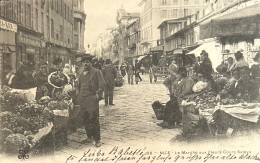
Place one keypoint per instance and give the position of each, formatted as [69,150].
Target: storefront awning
[213,50]
[244,22]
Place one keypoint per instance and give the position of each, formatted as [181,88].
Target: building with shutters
[154,12]
[40,31]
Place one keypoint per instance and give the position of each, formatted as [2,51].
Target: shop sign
[28,39]
[30,50]
[8,26]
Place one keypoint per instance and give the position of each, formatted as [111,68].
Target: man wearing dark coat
[110,74]
[91,86]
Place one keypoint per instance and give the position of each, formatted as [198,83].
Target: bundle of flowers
[58,79]
[9,100]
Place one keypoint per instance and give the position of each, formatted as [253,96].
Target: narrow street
[131,122]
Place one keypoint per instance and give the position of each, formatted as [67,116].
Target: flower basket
[58,79]
[158,109]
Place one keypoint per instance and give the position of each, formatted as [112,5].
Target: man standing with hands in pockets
[91,86]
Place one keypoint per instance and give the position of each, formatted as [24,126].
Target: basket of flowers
[119,80]
[158,109]
[58,79]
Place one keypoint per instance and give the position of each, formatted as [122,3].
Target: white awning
[141,57]
[214,51]
[115,60]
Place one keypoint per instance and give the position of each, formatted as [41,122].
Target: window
[68,12]
[52,4]
[174,13]
[164,14]
[175,2]
[2,8]
[47,5]
[61,32]
[36,19]
[8,8]
[75,4]
[42,22]
[163,2]
[186,12]
[57,36]
[62,8]
[65,10]
[186,2]
[52,28]
[15,16]
[19,11]
[76,25]
[48,26]
[28,15]
[58,6]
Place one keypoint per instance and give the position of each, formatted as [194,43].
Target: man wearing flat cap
[91,86]
[110,74]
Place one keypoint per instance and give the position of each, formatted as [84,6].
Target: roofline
[132,23]
[173,21]
[183,29]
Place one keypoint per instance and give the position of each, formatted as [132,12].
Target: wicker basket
[158,110]
[49,79]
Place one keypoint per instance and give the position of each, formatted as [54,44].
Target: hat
[256,56]
[108,61]
[67,65]
[203,52]
[26,65]
[86,59]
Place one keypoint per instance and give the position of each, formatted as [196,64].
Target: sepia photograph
[129,81]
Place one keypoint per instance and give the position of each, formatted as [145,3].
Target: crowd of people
[94,77]
[233,80]
[91,80]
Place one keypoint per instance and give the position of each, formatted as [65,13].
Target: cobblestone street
[131,122]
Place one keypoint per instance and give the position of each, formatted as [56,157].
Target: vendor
[242,67]
[23,78]
[205,67]
[182,87]
[255,76]
[220,67]
[173,68]
[230,65]
[172,114]
[236,87]
[41,79]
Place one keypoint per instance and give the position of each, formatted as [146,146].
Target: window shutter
[32,16]
[23,7]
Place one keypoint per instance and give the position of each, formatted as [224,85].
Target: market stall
[27,124]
